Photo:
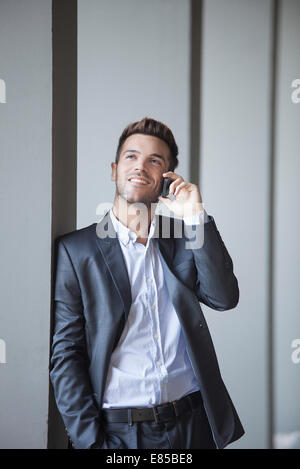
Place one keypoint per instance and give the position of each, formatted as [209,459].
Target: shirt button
[153,307]
[158,362]
[149,280]
[156,336]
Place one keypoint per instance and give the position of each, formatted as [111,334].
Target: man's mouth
[138,181]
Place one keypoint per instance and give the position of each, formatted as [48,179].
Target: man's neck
[137,217]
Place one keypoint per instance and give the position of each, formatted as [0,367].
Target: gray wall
[133,61]
[286,230]
[25,235]
[234,179]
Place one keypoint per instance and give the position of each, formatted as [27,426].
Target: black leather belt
[159,413]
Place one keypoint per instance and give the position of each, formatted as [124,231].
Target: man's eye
[128,156]
[156,161]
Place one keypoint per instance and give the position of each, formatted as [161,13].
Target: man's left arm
[216,285]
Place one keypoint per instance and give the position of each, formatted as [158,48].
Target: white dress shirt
[150,364]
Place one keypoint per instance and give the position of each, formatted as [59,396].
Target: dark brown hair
[148,126]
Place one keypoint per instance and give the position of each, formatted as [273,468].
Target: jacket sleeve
[69,360]
[216,286]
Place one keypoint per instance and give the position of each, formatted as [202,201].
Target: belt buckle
[156,414]
[175,408]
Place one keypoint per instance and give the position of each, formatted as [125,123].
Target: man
[133,364]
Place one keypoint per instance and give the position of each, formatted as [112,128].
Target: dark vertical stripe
[195,87]
[64,154]
[273,90]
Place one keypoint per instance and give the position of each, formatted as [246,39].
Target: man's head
[146,150]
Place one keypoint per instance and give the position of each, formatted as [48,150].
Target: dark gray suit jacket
[92,301]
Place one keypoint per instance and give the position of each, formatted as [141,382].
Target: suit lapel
[163,230]
[180,295]
[111,251]
[184,302]
[113,257]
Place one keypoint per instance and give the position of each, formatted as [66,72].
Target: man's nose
[140,165]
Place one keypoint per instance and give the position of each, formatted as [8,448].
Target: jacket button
[200,324]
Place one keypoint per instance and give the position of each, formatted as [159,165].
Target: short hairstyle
[154,128]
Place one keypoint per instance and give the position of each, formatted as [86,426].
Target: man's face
[138,174]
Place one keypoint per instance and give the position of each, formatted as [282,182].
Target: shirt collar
[124,234]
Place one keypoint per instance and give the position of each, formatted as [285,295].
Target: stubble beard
[147,201]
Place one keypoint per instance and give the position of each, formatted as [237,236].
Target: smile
[138,181]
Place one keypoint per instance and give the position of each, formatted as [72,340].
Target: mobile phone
[166,185]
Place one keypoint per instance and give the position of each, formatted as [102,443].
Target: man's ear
[113,171]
